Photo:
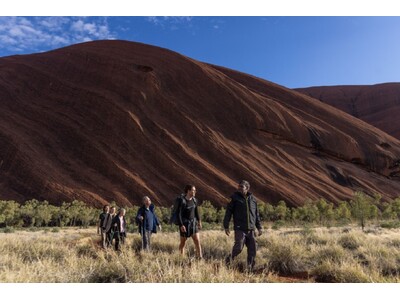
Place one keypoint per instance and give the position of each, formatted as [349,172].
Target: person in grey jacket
[246,219]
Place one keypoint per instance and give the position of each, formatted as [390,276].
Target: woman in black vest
[189,220]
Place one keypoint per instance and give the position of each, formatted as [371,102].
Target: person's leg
[146,240]
[103,238]
[149,240]
[240,237]
[108,237]
[111,238]
[251,250]
[182,244]
[117,236]
[237,247]
[196,240]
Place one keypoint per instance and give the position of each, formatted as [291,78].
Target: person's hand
[199,225]
[260,232]
[227,232]
[141,218]
[183,229]
[159,227]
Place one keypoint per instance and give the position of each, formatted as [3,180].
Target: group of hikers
[242,208]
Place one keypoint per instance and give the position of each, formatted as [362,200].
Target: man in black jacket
[243,208]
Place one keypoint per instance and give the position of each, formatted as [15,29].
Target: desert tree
[326,212]
[9,213]
[363,208]
[208,212]
[342,212]
[281,211]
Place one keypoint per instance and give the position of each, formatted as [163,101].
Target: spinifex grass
[284,255]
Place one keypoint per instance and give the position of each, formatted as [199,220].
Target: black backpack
[175,209]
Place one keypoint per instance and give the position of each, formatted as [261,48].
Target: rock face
[378,105]
[116,120]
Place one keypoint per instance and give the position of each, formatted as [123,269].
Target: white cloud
[170,22]
[19,34]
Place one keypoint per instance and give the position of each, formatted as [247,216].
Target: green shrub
[8,230]
[390,224]
[278,224]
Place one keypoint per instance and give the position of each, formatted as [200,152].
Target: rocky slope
[115,120]
[378,105]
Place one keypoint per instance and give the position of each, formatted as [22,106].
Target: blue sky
[291,51]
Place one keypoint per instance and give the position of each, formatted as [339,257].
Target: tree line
[362,208]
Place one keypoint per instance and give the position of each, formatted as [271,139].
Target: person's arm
[180,220]
[197,216]
[258,220]
[228,216]
[139,216]
[114,224]
[157,221]
[99,225]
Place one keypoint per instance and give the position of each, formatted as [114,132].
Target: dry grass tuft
[284,255]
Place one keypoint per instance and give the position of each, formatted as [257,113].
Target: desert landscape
[111,121]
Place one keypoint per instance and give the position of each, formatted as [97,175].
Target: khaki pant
[103,238]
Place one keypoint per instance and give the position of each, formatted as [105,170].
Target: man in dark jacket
[103,225]
[147,222]
[243,208]
[109,228]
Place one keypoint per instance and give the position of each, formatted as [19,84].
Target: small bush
[349,241]
[55,229]
[8,230]
[278,224]
[86,251]
[315,239]
[286,259]
[109,273]
[329,272]
[394,243]
[390,224]
[331,253]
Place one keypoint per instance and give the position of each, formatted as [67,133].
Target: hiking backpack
[175,209]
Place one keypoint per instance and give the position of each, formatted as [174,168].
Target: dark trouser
[245,238]
[110,237]
[119,238]
[146,239]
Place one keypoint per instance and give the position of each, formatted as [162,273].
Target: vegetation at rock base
[362,209]
[354,241]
